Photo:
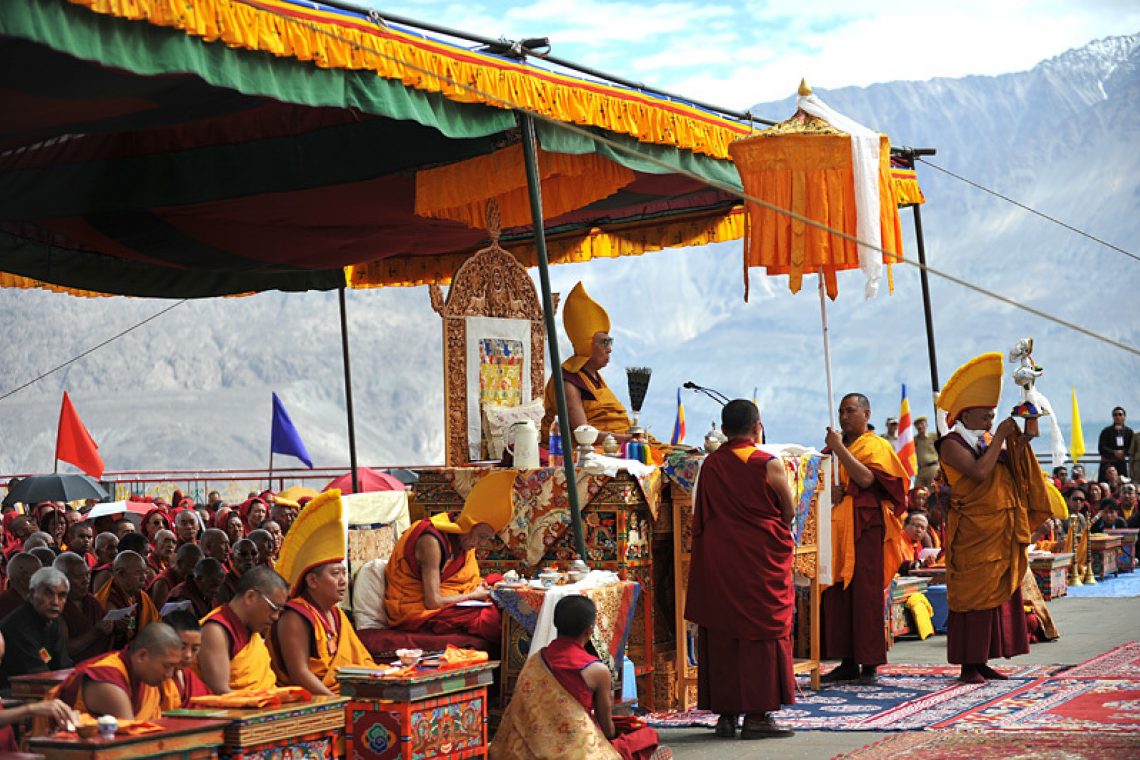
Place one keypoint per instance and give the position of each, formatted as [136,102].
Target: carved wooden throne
[494,343]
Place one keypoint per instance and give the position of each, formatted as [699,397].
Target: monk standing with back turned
[740,583]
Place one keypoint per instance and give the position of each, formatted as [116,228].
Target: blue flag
[285,439]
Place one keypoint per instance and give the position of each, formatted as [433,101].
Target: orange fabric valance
[461,191]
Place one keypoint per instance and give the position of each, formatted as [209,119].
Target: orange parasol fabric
[805,165]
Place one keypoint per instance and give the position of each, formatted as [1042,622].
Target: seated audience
[284,513]
[125,589]
[433,566]
[313,638]
[234,655]
[53,713]
[215,544]
[185,558]
[189,685]
[21,567]
[243,557]
[135,683]
[541,722]
[1108,517]
[912,544]
[201,588]
[161,554]
[186,527]
[154,521]
[84,629]
[264,543]
[45,555]
[80,539]
[33,633]
[274,530]
[106,549]
[122,527]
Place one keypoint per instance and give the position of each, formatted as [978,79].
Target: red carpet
[1121,662]
[999,745]
[1059,704]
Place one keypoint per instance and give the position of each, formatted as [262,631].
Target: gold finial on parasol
[804,90]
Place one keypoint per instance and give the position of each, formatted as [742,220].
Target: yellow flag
[1077,438]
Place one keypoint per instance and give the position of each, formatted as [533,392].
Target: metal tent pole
[934,386]
[348,391]
[534,187]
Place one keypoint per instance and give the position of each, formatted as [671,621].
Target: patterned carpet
[895,703]
[1000,745]
[1120,662]
[1059,704]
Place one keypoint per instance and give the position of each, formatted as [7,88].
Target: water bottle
[555,446]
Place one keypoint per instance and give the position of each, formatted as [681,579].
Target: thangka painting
[500,371]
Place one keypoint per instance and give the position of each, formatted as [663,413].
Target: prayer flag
[285,439]
[904,446]
[1077,438]
[679,425]
[73,444]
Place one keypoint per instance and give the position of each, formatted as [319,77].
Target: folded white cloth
[544,630]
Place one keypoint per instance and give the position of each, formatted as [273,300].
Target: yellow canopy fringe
[333,40]
[596,244]
[907,189]
[461,191]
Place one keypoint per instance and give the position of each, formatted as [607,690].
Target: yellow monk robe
[876,454]
[112,598]
[147,702]
[329,651]
[404,597]
[990,526]
[250,664]
[602,407]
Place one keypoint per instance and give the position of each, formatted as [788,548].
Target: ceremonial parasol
[825,167]
[54,487]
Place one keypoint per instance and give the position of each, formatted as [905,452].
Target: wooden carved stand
[492,283]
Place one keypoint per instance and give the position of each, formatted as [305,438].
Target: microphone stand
[715,395]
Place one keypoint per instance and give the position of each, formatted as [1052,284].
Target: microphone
[715,395]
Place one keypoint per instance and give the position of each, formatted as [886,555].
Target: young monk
[541,723]
[185,624]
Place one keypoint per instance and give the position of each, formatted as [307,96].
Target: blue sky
[735,53]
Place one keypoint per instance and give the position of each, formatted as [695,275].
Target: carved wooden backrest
[490,284]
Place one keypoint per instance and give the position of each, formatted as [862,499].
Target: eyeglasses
[275,608]
[1075,499]
[606,342]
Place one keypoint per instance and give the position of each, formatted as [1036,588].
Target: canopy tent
[165,148]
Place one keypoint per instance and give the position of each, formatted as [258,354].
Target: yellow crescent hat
[491,501]
[583,318]
[317,537]
[977,383]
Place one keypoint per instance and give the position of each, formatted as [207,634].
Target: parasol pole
[827,367]
[348,391]
[534,189]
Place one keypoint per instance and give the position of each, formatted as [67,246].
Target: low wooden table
[33,687]
[1103,549]
[1126,555]
[432,714]
[180,739]
[1051,571]
[301,731]
[901,623]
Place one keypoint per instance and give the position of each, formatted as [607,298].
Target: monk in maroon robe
[867,501]
[741,594]
[86,633]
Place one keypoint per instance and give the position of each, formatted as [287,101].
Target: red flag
[74,444]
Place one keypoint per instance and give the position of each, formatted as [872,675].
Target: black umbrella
[57,487]
[407,477]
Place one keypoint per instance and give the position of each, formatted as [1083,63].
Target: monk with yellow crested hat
[997,499]
[433,565]
[589,401]
[313,638]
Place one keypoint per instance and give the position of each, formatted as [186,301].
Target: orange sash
[250,663]
[349,649]
[147,702]
[876,454]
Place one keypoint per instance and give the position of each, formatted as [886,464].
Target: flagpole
[269,485]
[348,392]
[827,363]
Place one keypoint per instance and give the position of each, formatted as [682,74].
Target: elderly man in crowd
[87,633]
[20,570]
[106,549]
[33,633]
[243,556]
[161,554]
[186,527]
[124,590]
